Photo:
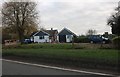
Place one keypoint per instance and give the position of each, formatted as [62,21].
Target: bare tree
[91,32]
[20,17]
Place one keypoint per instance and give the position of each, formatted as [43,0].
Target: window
[41,37]
[68,36]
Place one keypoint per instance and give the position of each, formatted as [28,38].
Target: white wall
[37,39]
[31,38]
[69,39]
[58,38]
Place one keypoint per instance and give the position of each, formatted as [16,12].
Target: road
[12,68]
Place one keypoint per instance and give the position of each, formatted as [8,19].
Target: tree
[114,21]
[20,18]
[0,35]
[91,32]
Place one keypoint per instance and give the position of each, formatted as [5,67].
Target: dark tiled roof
[66,32]
[41,33]
[51,32]
[44,32]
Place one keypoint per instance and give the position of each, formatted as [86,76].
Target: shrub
[81,40]
[116,42]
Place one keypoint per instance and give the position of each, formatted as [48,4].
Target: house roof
[40,33]
[44,32]
[51,32]
[65,31]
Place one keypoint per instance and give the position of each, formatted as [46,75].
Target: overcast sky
[76,15]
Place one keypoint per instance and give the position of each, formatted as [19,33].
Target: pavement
[10,67]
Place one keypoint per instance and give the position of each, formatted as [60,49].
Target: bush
[116,42]
[81,40]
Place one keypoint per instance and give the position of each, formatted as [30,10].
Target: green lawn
[39,46]
[64,53]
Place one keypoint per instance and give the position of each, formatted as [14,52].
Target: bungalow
[65,35]
[44,36]
[52,36]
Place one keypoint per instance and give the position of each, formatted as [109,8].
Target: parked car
[98,39]
[27,41]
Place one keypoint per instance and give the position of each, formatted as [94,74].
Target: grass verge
[88,58]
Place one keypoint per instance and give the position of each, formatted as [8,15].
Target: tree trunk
[21,38]
[73,42]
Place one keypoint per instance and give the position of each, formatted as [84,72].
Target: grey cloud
[79,17]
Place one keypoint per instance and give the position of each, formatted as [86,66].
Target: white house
[40,37]
[66,35]
[45,36]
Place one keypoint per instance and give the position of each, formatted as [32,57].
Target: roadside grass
[60,46]
[65,54]
[40,46]
[94,57]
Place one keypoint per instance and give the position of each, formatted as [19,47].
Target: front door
[62,38]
